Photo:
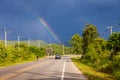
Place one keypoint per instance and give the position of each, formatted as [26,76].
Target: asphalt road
[45,69]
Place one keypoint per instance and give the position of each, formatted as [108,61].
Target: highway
[44,69]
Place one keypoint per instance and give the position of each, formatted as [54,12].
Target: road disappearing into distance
[45,69]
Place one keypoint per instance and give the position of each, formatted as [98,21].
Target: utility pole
[5,37]
[50,46]
[51,50]
[110,29]
[63,49]
[6,31]
[39,43]
[19,42]
[28,42]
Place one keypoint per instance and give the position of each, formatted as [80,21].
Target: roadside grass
[6,64]
[90,72]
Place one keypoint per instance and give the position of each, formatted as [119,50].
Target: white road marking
[62,77]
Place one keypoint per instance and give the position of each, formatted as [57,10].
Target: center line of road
[62,77]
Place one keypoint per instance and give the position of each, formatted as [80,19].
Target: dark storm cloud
[65,17]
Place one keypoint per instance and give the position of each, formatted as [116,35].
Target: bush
[116,62]
[11,54]
[117,75]
[92,57]
[113,65]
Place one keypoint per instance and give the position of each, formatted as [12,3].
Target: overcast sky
[63,17]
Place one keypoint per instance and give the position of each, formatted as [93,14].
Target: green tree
[89,36]
[113,44]
[100,45]
[102,55]
[76,44]
[38,52]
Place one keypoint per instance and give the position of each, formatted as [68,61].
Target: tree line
[12,54]
[96,51]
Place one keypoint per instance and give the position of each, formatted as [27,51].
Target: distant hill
[37,43]
[32,43]
[65,44]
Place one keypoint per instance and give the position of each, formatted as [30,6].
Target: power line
[117,25]
[104,33]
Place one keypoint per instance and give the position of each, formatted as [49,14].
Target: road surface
[45,69]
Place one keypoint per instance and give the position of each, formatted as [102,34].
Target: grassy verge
[91,73]
[6,64]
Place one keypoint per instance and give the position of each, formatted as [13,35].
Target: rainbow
[42,22]
[47,27]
